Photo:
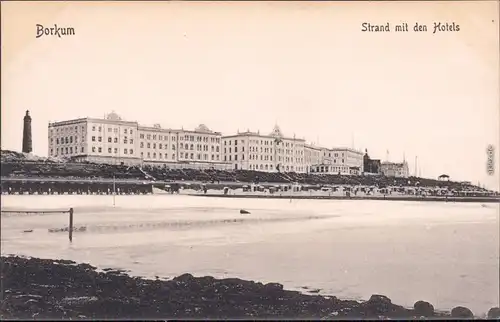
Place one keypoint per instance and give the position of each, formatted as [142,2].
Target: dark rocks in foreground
[58,289]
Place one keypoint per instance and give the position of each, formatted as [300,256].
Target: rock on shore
[58,289]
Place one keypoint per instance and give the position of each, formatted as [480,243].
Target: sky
[307,67]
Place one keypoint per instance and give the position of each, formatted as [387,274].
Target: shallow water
[444,253]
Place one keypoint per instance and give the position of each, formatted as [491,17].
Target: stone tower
[27,143]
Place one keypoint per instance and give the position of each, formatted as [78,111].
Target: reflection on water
[406,250]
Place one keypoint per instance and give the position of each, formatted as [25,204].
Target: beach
[408,251]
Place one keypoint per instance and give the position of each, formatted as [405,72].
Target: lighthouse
[27,143]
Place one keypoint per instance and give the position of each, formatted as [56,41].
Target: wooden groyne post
[70,228]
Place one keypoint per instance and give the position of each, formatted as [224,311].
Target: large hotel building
[112,140]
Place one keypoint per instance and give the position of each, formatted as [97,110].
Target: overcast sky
[306,66]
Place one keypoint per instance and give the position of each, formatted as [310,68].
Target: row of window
[113,140]
[66,150]
[329,169]
[66,140]
[264,150]
[160,146]
[199,147]
[186,137]
[265,142]
[155,137]
[272,167]
[112,130]
[112,150]
[67,129]
[214,157]
[255,157]
[182,155]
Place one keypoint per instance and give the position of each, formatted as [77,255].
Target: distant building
[260,152]
[313,156]
[112,140]
[27,140]
[343,161]
[392,169]
[371,166]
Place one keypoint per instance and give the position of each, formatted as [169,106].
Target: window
[131,132]
[70,139]
[141,136]
[93,149]
[82,149]
[142,145]
[109,150]
[149,154]
[115,140]
[154,155]
[110,130]
[125,141]
[99,139]
[131,141]
[125,151]
[57,140]
[116,150]
[161,156]
[93,128]
[66,140]
[100,129]
[154,145]
[99,149]
[159,146]
[131,151]
[149,145]
[109,140]
[93,138]
[71,150]
[166,147]
[125,131]
[192,156]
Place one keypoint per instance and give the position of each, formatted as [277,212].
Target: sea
[443,253]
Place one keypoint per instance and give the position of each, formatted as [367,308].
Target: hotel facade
[395,169]
[112,140]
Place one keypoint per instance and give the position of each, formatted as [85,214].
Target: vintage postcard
[250,160]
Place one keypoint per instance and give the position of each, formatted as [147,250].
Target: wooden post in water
[70,229]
